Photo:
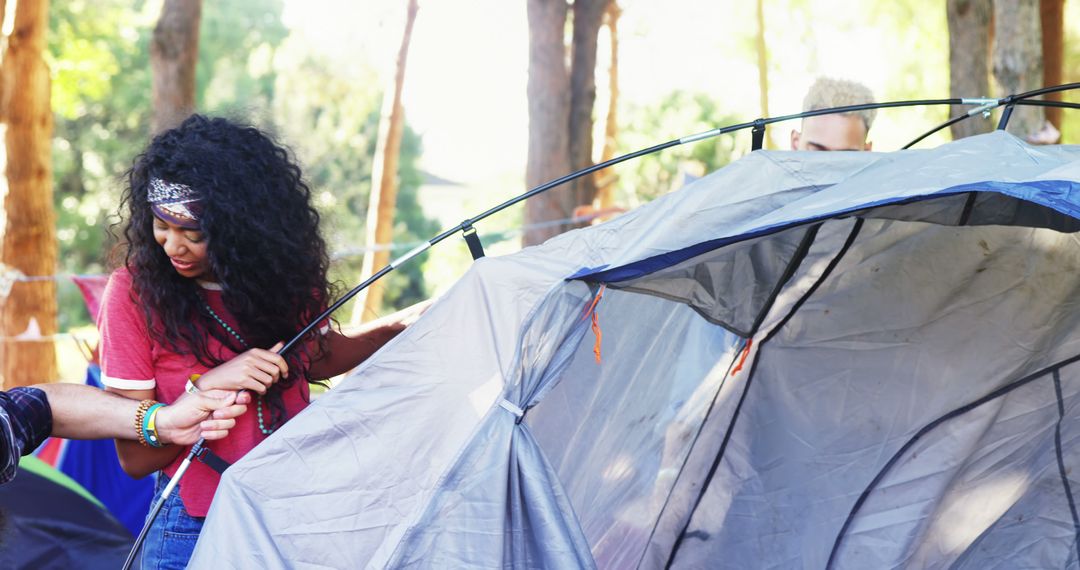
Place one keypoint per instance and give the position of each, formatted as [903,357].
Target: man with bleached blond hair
[847,131]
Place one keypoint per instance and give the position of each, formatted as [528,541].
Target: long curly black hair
[263,241]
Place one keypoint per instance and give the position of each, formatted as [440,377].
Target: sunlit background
[314,71]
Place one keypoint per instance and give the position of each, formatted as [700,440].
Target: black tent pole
[1021,99]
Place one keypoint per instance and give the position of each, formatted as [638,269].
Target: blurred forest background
[413,116]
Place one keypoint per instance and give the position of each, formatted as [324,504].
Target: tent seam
[495,407]
[852,235]
[796,262]
[686,459]
[451,465]
[1061,463]
[1044,372]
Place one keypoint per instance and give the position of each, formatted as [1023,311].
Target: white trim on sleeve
[124,384]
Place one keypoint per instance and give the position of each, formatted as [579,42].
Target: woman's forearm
[136,459]
[139,461]
[346,349]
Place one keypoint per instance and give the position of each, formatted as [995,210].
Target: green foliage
[679,114]
[237,42]
[338,165]
[249,68]
[406,285]
[98,54]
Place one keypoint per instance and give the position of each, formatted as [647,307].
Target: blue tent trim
[1060,195]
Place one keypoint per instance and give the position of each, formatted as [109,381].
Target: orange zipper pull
[742,359]
[596,321]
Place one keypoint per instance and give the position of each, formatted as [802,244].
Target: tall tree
[29,242]
[548,90]
[560,108]
[605,179]
[174,51]
[588,17]
[969,59]
[1052,17]
[384,176]
[763,66]
[1018,59]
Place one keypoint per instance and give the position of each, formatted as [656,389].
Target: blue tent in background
[50,522]
[94,465]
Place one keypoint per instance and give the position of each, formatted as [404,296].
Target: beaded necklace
[236,335]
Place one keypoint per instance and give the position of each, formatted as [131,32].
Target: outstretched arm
[348,348]
[84,412]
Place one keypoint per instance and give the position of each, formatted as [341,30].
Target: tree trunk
[1052,15]
[548,92]
[588,16]
[763,67]
[969,60]
[605,179]
[3,95]
[174,50]
[29,243]
[384,178]
[1018,59]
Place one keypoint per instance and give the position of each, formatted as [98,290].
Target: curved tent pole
[758,125]
[973,112]
[1010,101]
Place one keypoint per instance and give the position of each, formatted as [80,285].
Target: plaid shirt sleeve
[25,422]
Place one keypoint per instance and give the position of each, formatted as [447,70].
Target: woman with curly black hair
[223,262]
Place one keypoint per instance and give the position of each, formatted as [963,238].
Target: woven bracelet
[140,416]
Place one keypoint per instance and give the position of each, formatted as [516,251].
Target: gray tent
[847,360]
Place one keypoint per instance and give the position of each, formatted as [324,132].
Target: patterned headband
[174,202]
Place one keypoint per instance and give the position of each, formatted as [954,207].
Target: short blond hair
[827,92]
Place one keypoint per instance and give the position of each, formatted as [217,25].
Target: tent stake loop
[519,414]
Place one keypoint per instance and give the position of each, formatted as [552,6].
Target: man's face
[831,132]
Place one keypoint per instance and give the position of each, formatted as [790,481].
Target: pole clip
[1007,113]
[210,459]
[758,134]
[469,233]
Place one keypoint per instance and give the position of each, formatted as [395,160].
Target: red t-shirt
[131,360]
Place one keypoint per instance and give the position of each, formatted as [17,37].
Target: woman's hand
[401,320]
[255,370]
[348,348]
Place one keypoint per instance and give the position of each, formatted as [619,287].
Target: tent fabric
[807,359]
[542,531]
[916,359]
[706,282]
[51,524]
